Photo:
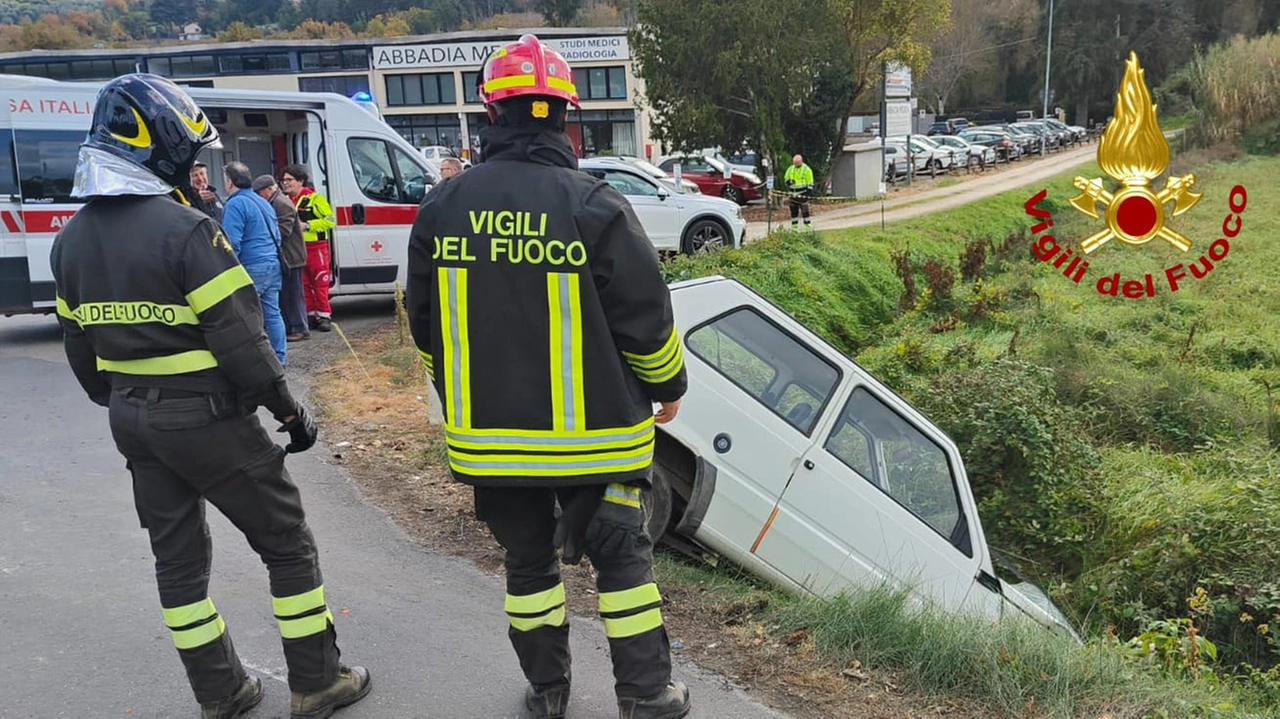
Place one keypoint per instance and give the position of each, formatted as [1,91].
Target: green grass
[1140,476]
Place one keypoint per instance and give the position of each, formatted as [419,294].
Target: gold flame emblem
[1133,151]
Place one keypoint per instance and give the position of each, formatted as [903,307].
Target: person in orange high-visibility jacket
[317,232]
[536,302]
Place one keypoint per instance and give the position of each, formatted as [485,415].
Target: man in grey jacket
[294,251]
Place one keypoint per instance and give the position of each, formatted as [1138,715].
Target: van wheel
[704,236]
[734,194]
[656,504]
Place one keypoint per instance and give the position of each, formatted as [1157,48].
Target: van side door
[15,275]
[382,192]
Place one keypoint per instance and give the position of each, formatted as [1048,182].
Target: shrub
[1026,456]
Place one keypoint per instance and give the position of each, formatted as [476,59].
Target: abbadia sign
[1133,152]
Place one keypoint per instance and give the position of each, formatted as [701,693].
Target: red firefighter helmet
[526,68]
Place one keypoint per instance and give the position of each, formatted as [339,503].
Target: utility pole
[1048,53]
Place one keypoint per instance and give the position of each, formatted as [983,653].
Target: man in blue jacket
[251,227]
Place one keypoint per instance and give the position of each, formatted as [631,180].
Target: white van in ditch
[373,178]
[793,462]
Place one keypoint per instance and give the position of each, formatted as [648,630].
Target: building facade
[424,86]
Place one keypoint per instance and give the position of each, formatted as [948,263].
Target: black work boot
[670,703]
[350,687]
[245,698]
[549,703]
[324,324]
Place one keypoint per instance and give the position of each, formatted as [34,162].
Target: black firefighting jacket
[149,294]
[536,302]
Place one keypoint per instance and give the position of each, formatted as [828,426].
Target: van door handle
[808,464]
[357,213]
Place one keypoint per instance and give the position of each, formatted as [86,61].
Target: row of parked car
[954,143]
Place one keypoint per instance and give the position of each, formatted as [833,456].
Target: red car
[708,173]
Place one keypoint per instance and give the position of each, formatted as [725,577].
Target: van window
[778,370]
[413,179]
[8,172]
[47,164]
[890,453]
[403,181]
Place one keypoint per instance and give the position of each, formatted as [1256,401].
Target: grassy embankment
[1123,447]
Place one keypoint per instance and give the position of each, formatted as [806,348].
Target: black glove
[302,431]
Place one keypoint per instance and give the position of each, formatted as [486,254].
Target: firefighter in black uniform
[162,325]
[536,302]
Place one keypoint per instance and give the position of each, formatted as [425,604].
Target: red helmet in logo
[527,67]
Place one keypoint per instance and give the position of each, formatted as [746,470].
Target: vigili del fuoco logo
[1133,152]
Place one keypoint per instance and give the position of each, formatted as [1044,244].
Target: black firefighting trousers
[184,448]
[523,521]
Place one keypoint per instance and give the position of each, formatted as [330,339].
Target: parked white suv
[674,221]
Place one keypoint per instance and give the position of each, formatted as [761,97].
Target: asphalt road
[80,627]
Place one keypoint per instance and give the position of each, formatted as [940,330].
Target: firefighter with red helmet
[537,305]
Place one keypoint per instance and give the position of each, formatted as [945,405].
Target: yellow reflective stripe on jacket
[622,627]
[180,363]
[545,465]
[302,615]
[549,441]
[622,494]
[194,625]
[457,352]
[428,364]
[126,313]
[218,289]
[568,402]
[659,366]
[628,600]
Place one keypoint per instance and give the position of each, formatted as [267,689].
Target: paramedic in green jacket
[799,179]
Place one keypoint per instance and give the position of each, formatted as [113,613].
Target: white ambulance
[373,178]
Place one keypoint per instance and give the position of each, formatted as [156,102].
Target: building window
[346,85]
[425,130]
[47,164]
[601,83]
[333,60]
[185,66]
[194,83]
[254,64]
[431,89]
[470,94]
[600,132]
[75,70]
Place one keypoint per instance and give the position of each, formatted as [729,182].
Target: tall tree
[880,31]
[959,50]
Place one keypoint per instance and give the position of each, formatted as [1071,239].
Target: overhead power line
[986,49]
